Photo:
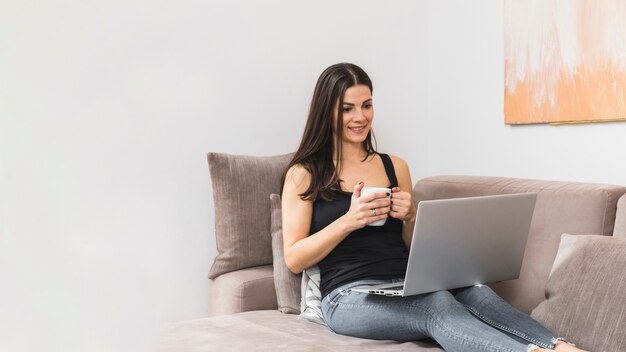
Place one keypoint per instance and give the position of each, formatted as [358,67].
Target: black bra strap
[391,172]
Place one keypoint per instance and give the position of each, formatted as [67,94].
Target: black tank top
[372,252]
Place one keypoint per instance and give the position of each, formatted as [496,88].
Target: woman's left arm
[402,206]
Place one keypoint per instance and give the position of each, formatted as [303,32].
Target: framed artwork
[565,61]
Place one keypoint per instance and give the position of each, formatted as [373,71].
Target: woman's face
[358,113]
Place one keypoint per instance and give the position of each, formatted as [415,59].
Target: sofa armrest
[243,290]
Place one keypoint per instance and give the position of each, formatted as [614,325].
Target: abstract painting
[565,61]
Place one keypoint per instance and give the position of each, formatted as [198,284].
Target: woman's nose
[359,115]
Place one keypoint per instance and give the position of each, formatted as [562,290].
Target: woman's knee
[437,297]
[441,302]
[473,295]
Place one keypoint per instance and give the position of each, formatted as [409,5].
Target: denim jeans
[466,319]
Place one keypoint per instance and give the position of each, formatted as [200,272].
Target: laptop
[464,242]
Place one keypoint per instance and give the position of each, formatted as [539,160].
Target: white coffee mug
[369,190]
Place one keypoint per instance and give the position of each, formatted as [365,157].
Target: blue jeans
[466,319]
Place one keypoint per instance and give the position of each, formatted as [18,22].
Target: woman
[325,222]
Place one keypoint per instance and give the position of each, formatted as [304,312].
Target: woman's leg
[437,315]
[486,305]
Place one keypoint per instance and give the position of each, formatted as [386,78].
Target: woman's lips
[357,130]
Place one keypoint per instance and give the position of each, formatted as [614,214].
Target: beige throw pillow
[241,189]
[586,293]
[287,284]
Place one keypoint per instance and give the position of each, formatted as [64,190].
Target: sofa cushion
[270,331]
[620,218]
[577,208]
[242,290]
[586,293]
[287,284]
[241,189]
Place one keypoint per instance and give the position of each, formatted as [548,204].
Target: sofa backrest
[620,218]
[562,207]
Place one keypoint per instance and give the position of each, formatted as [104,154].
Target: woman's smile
[358,129]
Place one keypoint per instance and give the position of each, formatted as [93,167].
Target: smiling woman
[329,220]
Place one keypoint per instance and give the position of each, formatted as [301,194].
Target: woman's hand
[402,206]
[365,210]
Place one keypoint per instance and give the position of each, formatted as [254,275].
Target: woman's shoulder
[402,171]
[400,166]
[298,171]
[397,161]
[298,177]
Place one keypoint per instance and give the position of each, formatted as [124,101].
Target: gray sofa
[243,308]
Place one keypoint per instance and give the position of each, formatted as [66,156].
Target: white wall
[466,128]
[106,112]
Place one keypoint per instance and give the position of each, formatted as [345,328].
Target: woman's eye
[347,108]
[367,106]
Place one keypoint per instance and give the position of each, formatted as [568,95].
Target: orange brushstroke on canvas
[581,97]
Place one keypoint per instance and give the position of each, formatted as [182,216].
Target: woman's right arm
[303,251]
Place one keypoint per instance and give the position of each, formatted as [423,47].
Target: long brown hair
[315,152]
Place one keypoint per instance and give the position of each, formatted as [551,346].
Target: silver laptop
[463,242]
